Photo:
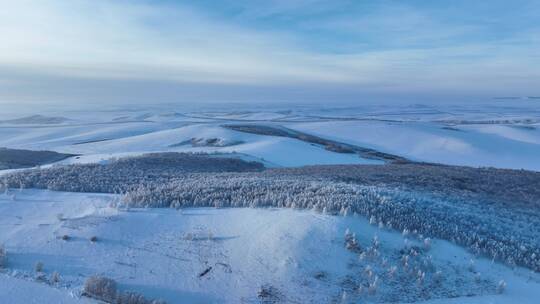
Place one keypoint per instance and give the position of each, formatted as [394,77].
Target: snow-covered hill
[55,241]
[478,145]
[232,256]
[504,136]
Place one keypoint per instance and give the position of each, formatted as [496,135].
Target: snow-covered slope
[275,150]
[502,146]
[27,291]
[495,134]
[251,255]
[97,142]
[226,255]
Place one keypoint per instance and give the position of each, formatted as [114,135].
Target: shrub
[135,298]
[40,276]
[55,277]
[104,289]
[501,286]
[38,267]
[269,294]
[100,288]
[3,257]
[131,298]
[427,244]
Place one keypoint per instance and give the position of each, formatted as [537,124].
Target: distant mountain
[516,97]
[508,97]
[36,120]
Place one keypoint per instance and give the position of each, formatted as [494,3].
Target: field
[414,204]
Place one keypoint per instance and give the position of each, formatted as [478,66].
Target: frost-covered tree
[38,267]
[100,288]
[501,286]
[54,278]
[448,212]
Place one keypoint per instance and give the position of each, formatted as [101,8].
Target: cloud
[79,46]
[83,38]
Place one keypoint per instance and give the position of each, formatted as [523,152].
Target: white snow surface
[477,145]
[104,141]
[161,253]
[498,135]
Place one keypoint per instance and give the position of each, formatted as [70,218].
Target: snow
[120,140]
[162,252]
[52,137]
[245,116]
[36,120]
[527,134]
[497,134]
[21,291]
[470,145]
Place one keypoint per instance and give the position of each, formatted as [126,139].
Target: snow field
[500,146]
[229,255]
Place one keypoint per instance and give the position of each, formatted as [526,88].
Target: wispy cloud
[104,38]
[335,45]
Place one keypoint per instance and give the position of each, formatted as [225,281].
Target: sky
[350,51]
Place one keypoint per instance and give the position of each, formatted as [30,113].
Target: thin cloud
[84,44]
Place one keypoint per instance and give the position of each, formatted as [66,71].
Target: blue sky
[267,51]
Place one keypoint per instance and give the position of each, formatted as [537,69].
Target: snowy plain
[298,254]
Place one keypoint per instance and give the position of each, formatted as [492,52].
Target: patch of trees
[17,158]
[330,145]
[426,199]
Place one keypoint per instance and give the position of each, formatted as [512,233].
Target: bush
[39,267]
[104,289]
[131,298]
[501,287]
[269,294]
[135,298]
[55,277]
[3,257]
[100,288]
